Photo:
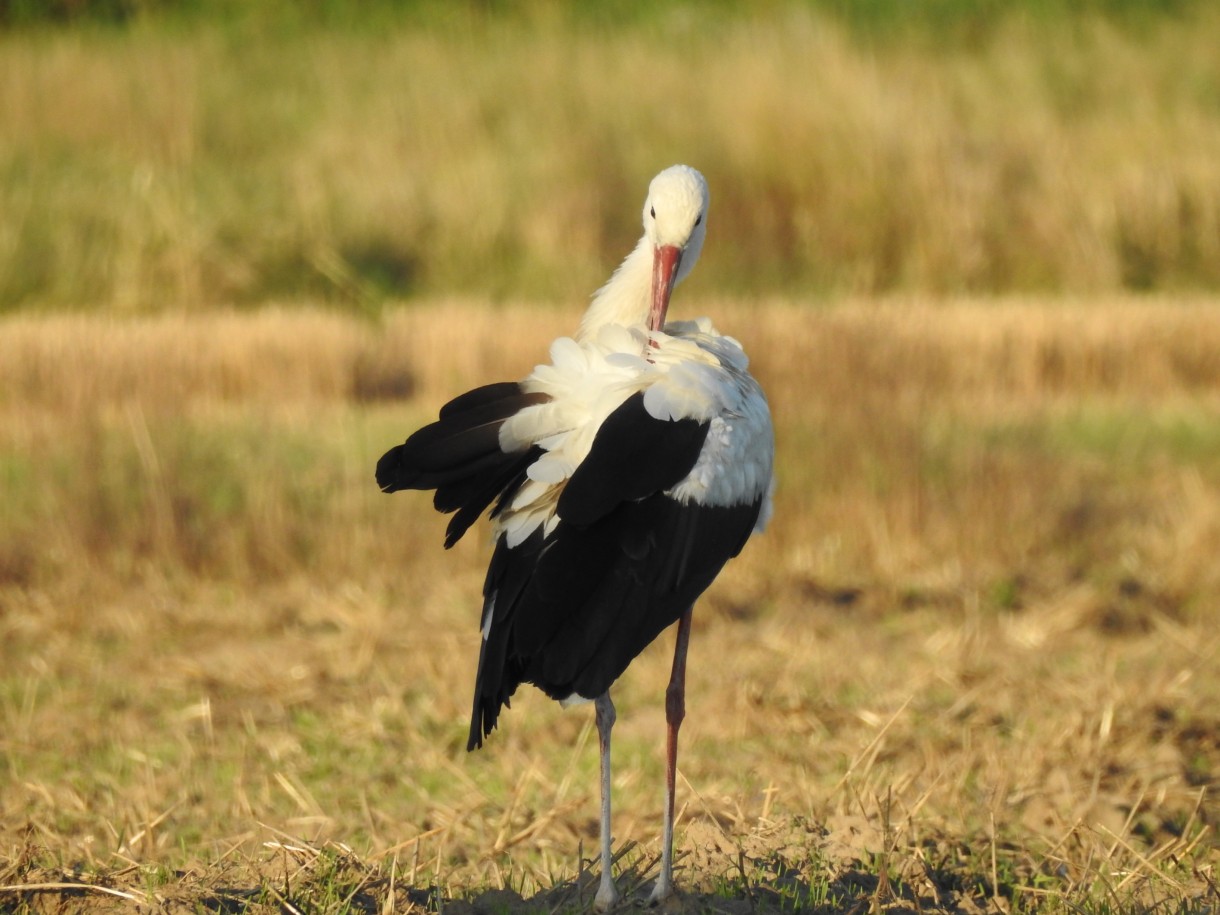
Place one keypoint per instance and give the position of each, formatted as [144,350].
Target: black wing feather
[460,457]
[476,496]
[497,392]
[595,597]
[633,456]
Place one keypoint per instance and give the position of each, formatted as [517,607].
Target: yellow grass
[976,651]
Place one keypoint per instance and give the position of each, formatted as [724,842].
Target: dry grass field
[973,666]
[974,250]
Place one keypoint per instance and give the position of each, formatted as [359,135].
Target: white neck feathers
[625,297]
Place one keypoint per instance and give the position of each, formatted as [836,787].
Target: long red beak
[665,262]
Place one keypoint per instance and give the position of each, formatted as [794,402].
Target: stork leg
[607,895]
[675,711]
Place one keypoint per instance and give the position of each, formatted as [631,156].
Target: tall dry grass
[1003,449]
[159,168]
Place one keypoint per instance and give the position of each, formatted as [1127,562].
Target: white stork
[624,475]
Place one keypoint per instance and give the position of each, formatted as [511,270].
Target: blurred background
[183,154]
[973,248]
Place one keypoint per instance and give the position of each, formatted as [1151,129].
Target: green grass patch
[1129,441]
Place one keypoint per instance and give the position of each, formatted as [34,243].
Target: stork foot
[607,896]
[662,891]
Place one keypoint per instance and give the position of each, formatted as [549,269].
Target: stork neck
[625,297]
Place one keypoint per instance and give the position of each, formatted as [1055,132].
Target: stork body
[621,477]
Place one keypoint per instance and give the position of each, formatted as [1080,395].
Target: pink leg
[675,711]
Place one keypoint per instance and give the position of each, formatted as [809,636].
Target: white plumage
[689,371]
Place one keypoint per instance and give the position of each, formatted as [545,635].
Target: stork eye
[653,212]
[699,219]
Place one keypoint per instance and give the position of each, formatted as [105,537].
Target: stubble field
[972,666]
[973,250]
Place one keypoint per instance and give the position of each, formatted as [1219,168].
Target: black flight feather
[460,457]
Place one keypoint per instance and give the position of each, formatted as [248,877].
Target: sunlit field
[976,651]
[973,250]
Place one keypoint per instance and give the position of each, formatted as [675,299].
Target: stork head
[675,221]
